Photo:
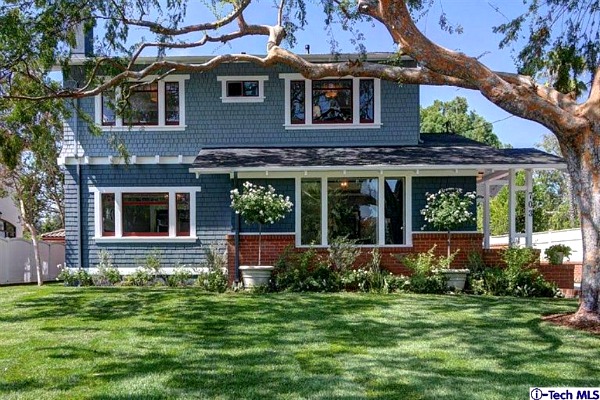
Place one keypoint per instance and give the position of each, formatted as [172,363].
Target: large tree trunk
[583,162]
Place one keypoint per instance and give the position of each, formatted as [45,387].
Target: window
[310,213]
[145,214]
[7,230]
[352,209]
[242,89]
[368,210]
[142,105]
[331,103]
[154,106]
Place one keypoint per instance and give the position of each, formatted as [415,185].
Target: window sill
[146,239]
[149,128]
[292,127]
[260,99]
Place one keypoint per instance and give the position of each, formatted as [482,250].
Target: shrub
[519,278]
[107,274]
[140,277]
[426,275]
[79,277]
[342,254]
[214,277]
[371,278]
[304,272]
[180,276]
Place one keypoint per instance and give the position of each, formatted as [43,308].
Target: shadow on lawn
[308,346]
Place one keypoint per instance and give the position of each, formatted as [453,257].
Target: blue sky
[477,17]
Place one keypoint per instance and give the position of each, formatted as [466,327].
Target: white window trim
[241,99]
[308,100]
[118,237]
[120,127]
[380,204]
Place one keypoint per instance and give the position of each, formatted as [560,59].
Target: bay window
[145,214]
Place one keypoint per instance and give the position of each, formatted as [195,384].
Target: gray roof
[436,150]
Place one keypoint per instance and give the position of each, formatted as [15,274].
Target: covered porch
[382,188]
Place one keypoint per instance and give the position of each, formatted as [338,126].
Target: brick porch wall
[273,246]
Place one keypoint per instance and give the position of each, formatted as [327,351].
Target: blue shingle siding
[71,223]
[213,214]
[423,185]
[285,187]
[213,123]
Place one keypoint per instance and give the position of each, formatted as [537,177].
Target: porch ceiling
[437,151]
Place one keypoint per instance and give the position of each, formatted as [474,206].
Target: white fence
[543,240]
[17,261]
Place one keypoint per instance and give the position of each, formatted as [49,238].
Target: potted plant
[446,210]
[259,205]
[556,253]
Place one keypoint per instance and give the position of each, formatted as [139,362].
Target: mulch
[566,321]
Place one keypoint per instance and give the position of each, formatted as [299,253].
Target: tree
[560,50]
[30,134]
[454,116]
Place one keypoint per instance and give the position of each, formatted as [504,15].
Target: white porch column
[486,215]
[512,204]
[529,208]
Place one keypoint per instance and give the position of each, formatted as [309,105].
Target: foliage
[520,278]
[426,271]
[342,254]
[78,277]
[213,278]
[304,272]
[260,205]
[371,278]
[107,274]
[140,277]
[454,116]
[449,208]
[556,252]
[180,277]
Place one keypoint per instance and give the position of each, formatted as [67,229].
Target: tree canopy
[454,116]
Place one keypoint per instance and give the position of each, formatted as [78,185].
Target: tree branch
[518,96]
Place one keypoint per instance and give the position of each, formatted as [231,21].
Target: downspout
[78,182]
[236,268]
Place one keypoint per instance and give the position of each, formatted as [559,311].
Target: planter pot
[557,258]
[456,278]
[256,275]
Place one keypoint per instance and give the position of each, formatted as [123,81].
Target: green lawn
[131,343]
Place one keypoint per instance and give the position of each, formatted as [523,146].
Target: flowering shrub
[449,208]
[260,205]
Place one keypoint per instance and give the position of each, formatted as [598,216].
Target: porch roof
[437,151]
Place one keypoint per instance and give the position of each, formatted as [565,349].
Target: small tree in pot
[449,209]
[260,205]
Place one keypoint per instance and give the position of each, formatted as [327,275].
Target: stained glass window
[367,101]
[332,101]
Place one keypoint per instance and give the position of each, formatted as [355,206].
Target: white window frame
[241,99]
[119,126]
[380,242]
[119,238]
[308,124]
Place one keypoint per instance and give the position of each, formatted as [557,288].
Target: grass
[158,343]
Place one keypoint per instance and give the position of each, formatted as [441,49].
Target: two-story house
[348,152]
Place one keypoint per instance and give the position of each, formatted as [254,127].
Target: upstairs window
[242,89]
[155,106]
[331,103]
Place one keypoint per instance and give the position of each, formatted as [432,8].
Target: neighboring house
[10,219]
[347,151]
